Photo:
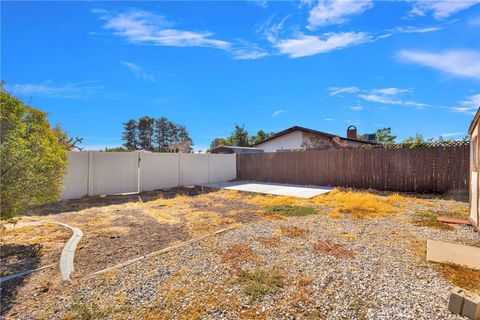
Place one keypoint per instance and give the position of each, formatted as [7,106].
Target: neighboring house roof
[297,128]
[474,121]
[235,149]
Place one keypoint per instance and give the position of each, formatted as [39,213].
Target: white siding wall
[289,141]
[106,173]
[475,188]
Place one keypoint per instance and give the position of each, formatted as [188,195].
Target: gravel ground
[331,269]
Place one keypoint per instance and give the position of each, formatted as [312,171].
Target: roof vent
[352,132]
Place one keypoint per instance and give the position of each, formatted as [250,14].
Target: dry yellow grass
[359,205]
[292,232]
[462,277]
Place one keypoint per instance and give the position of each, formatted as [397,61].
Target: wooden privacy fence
[423,170]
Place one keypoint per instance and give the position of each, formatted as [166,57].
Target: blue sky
[413,66]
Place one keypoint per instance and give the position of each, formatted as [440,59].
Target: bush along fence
[106,173]
[435,169]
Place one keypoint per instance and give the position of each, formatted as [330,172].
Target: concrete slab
[459,254]
[278,189]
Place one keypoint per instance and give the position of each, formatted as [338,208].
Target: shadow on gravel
[101,201]
[15,258]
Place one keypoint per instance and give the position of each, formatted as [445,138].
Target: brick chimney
[352,132]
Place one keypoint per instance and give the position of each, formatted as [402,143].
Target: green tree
[32,157]
[115,149]
[260,136]
[239,137]
[385,135]
[69,143]
[413,142]
[164,130]
[217,142]
[145,133]
[130,135]
[181,140]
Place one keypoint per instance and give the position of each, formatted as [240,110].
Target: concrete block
[455,305]
[459,254]
[471,306]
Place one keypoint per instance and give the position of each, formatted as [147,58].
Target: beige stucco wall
[289,141]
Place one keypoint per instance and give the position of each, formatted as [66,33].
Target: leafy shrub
[33,160]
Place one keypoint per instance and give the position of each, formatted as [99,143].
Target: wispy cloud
[452,134]
[328,119]
[469,105]
[440,9]
[49,89]
[328,12]
[389,95]
[138,71]
[356,108]
[413,29]
[305,45]
[379,99]
[144,27]
[459,63]
[390,91]
[339,90]
[277,113]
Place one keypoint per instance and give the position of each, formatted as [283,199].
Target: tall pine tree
[130,135]
[145,133]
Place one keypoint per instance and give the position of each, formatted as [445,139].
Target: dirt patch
[131,234]
[331,248]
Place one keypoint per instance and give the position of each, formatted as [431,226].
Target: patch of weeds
[291,211]
[292,232]
[360,205]
[238,253]
[337,250]
[305,281]
[260,282]
[360,307]
[348,236]
[459,276]
[429,219]
[269,241]
[85,312]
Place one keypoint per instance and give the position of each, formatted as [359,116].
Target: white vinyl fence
[106,173]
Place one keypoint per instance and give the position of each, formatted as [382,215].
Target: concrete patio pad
[278,189]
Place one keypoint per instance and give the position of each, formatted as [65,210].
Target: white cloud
[452,134]
[470,105]
[460,63]
[48,89]
[328,119]
[138,71]
[143,27]
[441,9]
[388,95]
[338,90]
[336,11]
[379,99]
[357,108]
[390,91]
[304,45]
[413,29]
[277,113]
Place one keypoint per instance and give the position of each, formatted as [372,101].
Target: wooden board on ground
[445,252]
